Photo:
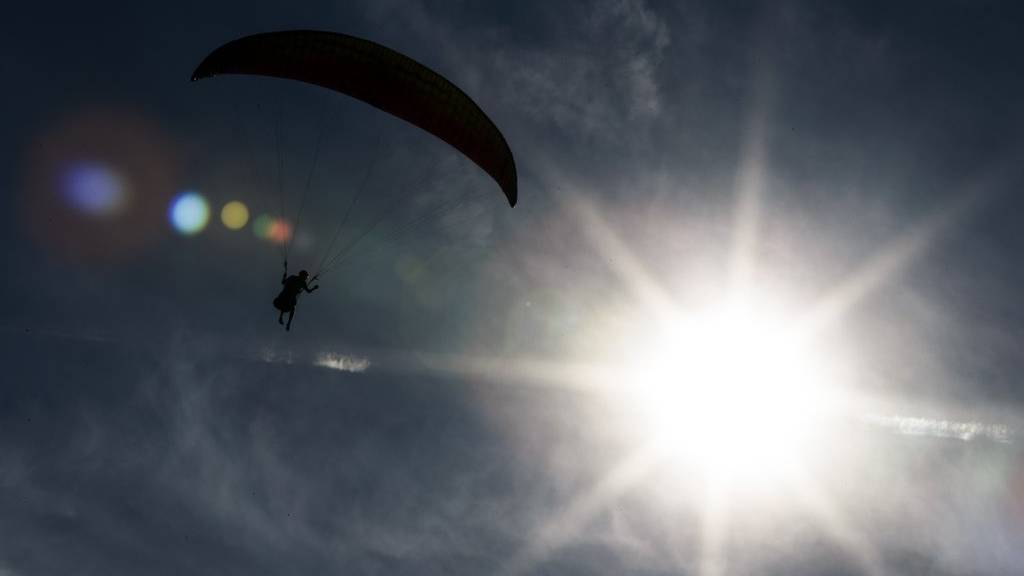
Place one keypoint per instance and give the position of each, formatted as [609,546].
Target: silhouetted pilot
[289,296]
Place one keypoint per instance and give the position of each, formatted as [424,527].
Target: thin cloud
[599,77]
[958,430]
[342,362]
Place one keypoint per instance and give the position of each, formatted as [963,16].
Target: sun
[732,391]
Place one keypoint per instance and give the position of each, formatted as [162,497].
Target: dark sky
[453,399]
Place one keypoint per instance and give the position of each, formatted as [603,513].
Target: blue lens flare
[94,189]
[189,213]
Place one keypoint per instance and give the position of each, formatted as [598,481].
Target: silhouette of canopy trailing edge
[380,77]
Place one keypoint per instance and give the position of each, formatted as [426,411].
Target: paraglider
[289,296]
[380,77]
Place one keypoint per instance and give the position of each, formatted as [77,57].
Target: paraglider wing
[380,77]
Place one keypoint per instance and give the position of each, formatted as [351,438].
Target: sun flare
[731,391]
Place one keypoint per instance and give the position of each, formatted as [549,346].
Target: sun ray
[908,247]
[567,525]
[749,190]
[714,522]
[837,525]
[511,371]
[624,263]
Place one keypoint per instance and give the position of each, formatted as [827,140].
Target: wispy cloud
[595,80]
[918,426]
[342,362]
[333,360]
[599,72]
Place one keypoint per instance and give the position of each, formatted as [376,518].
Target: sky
[757,310]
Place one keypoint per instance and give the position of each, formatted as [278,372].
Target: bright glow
[234,215]
[730,392]
[94,189]
[189,213]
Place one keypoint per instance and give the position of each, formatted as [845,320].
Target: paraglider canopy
[380,77]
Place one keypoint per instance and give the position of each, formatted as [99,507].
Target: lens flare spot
[280,231]
[303,240]
[261,226]
[97,184]
[276,230]
[234,215]
[94,189]
[189,213]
